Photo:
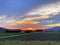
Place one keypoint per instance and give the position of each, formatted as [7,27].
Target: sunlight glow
[53,25]
[30,29]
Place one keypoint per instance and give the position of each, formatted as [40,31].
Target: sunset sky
[29,13]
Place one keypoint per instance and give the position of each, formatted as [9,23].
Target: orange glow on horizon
[32,28]
[11,27]
[25,28]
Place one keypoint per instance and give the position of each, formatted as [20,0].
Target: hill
[53,29]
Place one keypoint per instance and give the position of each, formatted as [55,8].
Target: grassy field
[15,42]
[19,42]
[48,32]
[9,34]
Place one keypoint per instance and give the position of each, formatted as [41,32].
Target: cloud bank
[41,13]
[34,16]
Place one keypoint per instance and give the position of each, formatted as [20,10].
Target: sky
[29,13]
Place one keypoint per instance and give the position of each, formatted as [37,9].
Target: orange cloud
[27,21]
[32,20]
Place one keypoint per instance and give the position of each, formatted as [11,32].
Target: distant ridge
[53,29]
[2,28]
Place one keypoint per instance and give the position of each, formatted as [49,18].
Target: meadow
[15,42]
[8,34]
[34,38]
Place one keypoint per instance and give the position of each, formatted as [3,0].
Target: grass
[18,42]
[15,42]
[47,33]
[12,34]
[9,34]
